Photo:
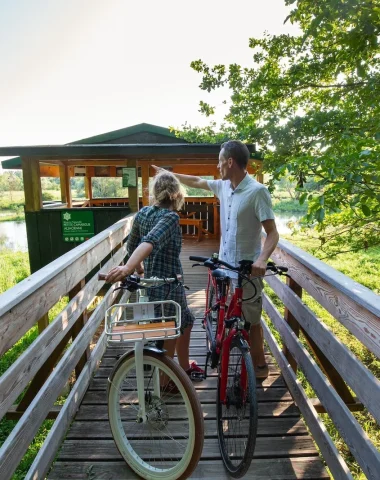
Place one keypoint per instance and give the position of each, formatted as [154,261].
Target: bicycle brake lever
[196,265]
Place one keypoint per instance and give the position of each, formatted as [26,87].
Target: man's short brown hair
[238,151]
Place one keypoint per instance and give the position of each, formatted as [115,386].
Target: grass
[361,267]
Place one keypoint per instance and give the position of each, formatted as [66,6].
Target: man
[245,208]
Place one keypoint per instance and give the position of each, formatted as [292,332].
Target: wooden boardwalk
[284,448]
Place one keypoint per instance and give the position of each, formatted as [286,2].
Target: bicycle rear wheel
[169,444]
[237,419]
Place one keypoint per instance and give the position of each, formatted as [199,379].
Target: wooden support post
[330,371]
[43,322]
[88,184]
[292,321]
[145,183]
[216,216]
[32,184]
[65,185]
[260,177]
[133,192]
[77,327]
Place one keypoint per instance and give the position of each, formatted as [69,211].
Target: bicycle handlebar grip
[283,269]
[198,259]
[102,276]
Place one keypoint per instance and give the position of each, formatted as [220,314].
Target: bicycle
[155,415]
[227,343]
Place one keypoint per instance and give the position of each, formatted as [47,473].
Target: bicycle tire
[237,420]
[144,445]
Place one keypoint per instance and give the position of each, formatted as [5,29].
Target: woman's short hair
[167,191]
[237,150]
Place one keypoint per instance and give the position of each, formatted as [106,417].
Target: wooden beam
[88,183]
[292,321]
[145,171]
[49,171]
[133,192]
[32,184]
[65,185]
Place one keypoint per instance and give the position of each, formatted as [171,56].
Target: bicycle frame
[222,342]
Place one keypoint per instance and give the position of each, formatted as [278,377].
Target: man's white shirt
[241,212]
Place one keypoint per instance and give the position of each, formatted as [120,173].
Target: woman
[156,240]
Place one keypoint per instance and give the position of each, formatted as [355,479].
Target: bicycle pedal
[197,377]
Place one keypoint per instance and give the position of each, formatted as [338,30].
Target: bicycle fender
[149,348]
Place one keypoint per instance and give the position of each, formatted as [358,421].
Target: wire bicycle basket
[133,322]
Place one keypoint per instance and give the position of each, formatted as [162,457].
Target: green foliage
[311,102]
[47,196]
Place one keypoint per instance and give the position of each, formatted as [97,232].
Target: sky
[70,69]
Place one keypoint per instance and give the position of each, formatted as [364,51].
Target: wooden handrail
[358,309]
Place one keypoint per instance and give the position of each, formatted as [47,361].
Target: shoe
[170,388]
[195,372]
[262,371]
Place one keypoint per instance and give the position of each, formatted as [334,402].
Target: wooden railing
[205,209]
[340,381]
[32,375]
[328,365]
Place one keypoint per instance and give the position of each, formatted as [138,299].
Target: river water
[13,234]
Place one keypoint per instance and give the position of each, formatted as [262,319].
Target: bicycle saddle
[219,273]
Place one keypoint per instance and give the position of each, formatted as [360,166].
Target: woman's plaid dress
[160,227]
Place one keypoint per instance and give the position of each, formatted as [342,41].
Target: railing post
[77,327]
[292,321]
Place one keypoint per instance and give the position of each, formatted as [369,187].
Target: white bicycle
[154,412]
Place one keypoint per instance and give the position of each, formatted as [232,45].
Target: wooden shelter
[134,148]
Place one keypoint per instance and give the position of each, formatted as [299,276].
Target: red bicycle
[228,350]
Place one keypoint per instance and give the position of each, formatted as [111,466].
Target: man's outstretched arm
[188,180]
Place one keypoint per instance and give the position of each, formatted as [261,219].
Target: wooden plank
[210,382]
[22,435]
[305,468]
[266,409]
[110,360]
[17,377]
[266,447]
[47,452]
[205,396]
[354,305]
[355,437]
[19,309]
[105,372]
[266,427]
[328,449]
[365,385]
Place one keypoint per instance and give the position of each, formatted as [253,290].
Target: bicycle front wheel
[169,443]
[237,418]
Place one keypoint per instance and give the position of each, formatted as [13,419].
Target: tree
[312,104]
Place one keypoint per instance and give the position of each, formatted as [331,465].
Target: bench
[196,222]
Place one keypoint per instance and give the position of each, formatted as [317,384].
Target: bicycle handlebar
[141,282]
[213,262]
